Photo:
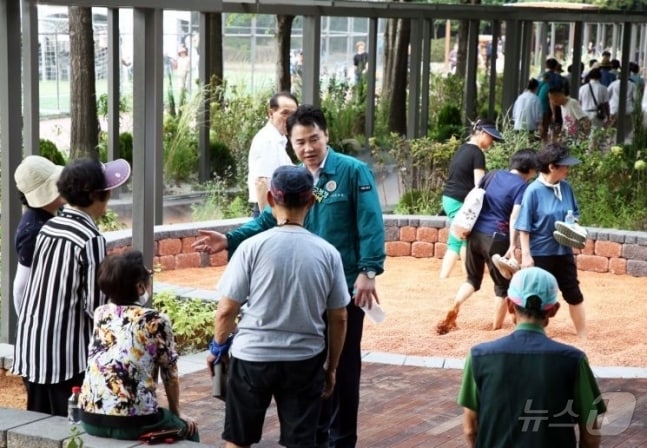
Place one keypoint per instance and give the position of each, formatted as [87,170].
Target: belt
[120,421]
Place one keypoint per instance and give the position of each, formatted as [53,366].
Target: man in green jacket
[348,215]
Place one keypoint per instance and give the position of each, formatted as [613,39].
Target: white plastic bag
[467,215]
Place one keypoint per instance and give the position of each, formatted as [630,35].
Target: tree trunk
[389,57]
[398,94]
[283,36]
[461,51]
[83,98]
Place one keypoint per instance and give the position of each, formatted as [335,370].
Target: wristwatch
[370,274]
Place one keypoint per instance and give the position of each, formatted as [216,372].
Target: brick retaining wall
[614,251]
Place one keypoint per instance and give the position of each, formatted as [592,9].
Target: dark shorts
[51,398]
[480,248]
[565,271]
[296,387]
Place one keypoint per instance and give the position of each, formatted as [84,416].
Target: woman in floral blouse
[130,343]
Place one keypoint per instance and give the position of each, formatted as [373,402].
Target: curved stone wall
[612,251]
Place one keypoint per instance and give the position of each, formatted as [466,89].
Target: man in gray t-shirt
[288,278]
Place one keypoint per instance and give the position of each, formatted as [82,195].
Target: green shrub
[223,163]
[102,106]
[109,221]
[236,116]
[125,147]
[191,319]
[449,124]
[180,141]
[344,107]
[49,150]
[219,203]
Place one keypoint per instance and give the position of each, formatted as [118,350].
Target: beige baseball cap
[36,178]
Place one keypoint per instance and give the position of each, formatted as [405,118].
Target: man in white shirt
[268,149]
[592,95]
[624,122]
[527,111]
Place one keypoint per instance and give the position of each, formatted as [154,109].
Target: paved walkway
[407,401]
[410,401]
[405,405]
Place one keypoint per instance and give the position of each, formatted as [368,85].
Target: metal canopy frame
[147,163]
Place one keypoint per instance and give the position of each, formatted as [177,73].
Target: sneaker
[572,231]
[506,266]
[565,240]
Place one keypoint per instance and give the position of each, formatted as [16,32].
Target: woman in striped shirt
[55,319]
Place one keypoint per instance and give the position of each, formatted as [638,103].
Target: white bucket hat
[36,178]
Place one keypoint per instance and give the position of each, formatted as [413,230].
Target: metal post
[424,81]
[10,155]
[204,160]
[624,77]
[31,95]
[544,46]
[252,51]
[524,56]
[414,80]
[147,127]
[496,31]
[371,46]
[576,73]
[114,69]
[469,98]
[311,58]
[511,67]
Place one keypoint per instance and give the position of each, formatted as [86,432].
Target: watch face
[370,274]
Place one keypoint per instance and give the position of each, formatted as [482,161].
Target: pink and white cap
[116,172]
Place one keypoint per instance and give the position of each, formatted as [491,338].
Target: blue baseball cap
[533,282]
[291,185]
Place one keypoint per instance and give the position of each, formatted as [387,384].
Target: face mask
[144,298]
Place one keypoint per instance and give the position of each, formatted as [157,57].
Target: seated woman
[130,343]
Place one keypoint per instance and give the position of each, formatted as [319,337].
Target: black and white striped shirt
[55,320]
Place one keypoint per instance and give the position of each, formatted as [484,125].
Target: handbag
[469,212]
[599,108]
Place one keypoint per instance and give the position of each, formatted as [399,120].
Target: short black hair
[119,275]
[533,84]
[615,63]
[274,100]
[82,183]
[551,63]
[533,309]
[595,73]
[524,160]
[550,153]
[633,67]
[307,115]
[556,90]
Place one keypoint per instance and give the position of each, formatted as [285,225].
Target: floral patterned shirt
[129,343]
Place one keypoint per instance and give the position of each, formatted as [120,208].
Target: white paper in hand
[376,313]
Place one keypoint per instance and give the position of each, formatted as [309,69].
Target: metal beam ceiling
[373,9]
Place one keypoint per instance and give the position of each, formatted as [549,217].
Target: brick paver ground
[407,407]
